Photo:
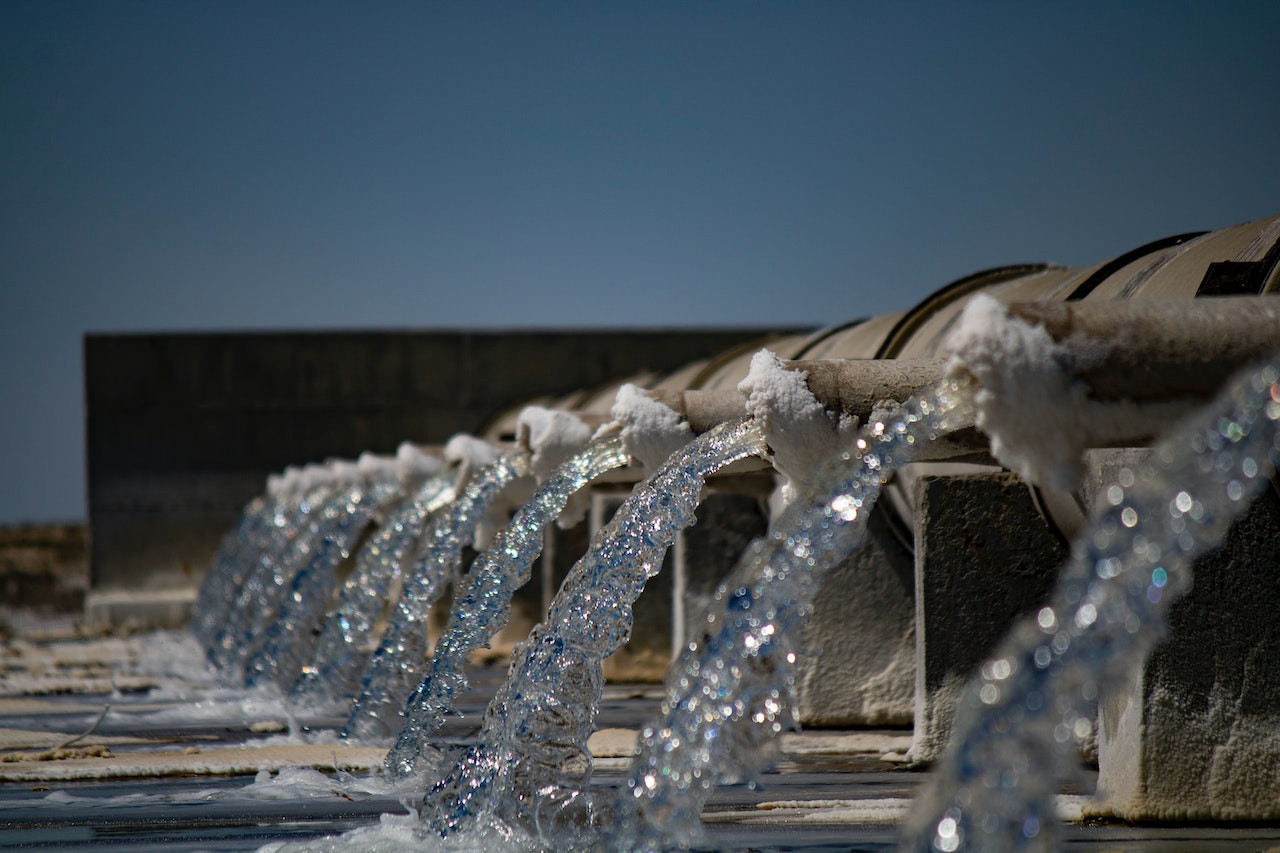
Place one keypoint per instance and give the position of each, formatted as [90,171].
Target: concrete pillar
[984,556]
[708,551]
[856,663]
[1197,734]
[647,655]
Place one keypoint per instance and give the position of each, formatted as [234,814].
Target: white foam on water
[396,833]
[241,706]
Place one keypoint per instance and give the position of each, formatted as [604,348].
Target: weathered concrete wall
[182,429]
[983,557]
[1197,735]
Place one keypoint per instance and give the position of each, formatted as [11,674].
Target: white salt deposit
[1038,417]
[651,431]
[345,472]
[313,476]
[551,436]
[416,465]
[468,453]
[877,810]
[402,833]
[377,468]
[800,431]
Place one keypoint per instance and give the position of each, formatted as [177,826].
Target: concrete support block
[647,655]
[856,662]
[1197,734]
[708,551]
[984,556]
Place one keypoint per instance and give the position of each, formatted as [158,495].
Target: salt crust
[651,431]
[345,472]
[377,468]
[1039,419]
[800,431]
[551,436]
[879,810]
[469,453]
[414,464]
[623,743]
[210,762]
[308,477]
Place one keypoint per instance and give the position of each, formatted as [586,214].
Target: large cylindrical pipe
[1158,349]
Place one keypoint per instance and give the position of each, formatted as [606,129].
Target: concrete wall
[182,429]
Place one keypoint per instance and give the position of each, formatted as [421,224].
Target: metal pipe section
[857,387]
[1158,350]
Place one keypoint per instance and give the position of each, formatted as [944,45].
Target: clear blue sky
[247,165]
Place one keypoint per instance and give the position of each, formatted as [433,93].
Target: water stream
[1015,729]
[289,547]
[289,638]
[230,566]
[731,693]
[340,651]
[529,767]
[482,603]
[397,666]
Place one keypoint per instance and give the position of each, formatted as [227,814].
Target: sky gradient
[285,165]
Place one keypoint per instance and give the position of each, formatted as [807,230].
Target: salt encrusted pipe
[469,455]
[553,436]
[801,432]
[701,409]
[377,468]
[417,464]
[1056,378]
[550,436]
[1158,349]
[860,387]
[857,388]
[651,431]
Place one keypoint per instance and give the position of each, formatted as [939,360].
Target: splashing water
[530,766]
[292,543]
[334,670]
[1017,723]
[288,640]
[229,567]
[731,693]
[483,604]
[396,667]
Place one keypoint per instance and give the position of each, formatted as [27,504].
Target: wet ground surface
[831,792]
